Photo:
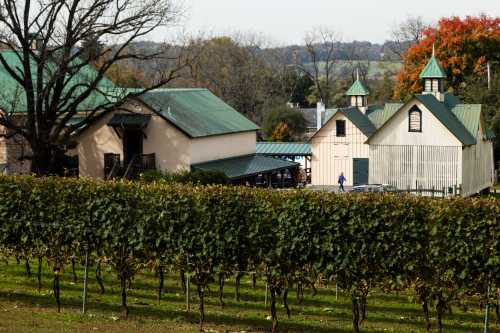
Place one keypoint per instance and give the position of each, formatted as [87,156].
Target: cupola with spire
[433,76]
[358,94]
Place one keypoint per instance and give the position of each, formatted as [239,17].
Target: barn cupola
[433,76]
[358,94]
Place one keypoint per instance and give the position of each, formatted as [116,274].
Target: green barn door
[360,171]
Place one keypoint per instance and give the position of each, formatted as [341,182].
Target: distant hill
[379,56]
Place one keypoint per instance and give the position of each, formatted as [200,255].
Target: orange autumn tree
[463,47]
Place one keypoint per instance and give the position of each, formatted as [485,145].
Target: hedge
[444,249]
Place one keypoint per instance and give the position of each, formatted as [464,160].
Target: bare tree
[322,45]
[358,60]
[47,62]
[407,33]
[235,70]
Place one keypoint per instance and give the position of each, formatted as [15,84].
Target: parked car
[373,188]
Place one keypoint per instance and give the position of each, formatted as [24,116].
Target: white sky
[287,21]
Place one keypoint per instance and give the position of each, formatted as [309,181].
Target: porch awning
[129,120]
[284,148]
[246,166]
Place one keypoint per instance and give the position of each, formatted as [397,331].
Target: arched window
[415,120]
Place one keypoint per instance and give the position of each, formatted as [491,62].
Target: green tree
[284,124]
[300,86]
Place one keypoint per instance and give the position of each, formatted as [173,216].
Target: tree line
[445,251]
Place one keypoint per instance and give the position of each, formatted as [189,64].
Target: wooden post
[85,279]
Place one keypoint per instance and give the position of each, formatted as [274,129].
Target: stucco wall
[395,132]
[170,145]
[174,151]
[332,155]
[93,143]
[222,146]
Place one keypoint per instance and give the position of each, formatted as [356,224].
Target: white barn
[339,145]
[433,141]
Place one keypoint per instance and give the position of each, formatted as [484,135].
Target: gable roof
[358,89]
[12,98]
[358,118]
[197,112]
[310,114]
[378,116]
[433,70]
[458,122]
[470,116]
[447,118]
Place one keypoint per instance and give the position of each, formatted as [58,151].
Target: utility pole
[488,69]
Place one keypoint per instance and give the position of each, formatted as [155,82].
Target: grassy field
[23,309]
[376,70]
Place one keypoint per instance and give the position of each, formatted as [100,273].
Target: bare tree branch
[54,78]
[322,45]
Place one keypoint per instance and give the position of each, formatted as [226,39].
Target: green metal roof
[469,115]
[433,70]
[284,148]
[358,89]
[245,166]
[358,118]
[197,112]
[13,99]
[378,116]
[462,120]
[447,118]
[129,120]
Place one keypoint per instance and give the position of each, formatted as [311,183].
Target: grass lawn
[23,309]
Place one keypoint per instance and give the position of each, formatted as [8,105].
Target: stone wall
[13,152]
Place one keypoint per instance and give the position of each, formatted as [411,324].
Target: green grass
[23,309]
[376,70]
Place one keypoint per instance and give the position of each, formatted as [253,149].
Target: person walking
[341,182]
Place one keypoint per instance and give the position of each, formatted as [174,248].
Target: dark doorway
[360,171]
[132,145]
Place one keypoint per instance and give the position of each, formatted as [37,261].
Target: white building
[339,145]
[432,141]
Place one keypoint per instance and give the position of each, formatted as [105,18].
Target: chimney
[35,41]
[320,110]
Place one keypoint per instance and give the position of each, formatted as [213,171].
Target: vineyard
[445,251]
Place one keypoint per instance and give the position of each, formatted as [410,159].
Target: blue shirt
[341,179]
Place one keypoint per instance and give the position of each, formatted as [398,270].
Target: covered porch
[255,170]
[293,151]
[130,128]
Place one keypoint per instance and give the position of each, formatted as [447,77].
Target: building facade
[433,141]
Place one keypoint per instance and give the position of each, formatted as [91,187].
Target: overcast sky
[286,21]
